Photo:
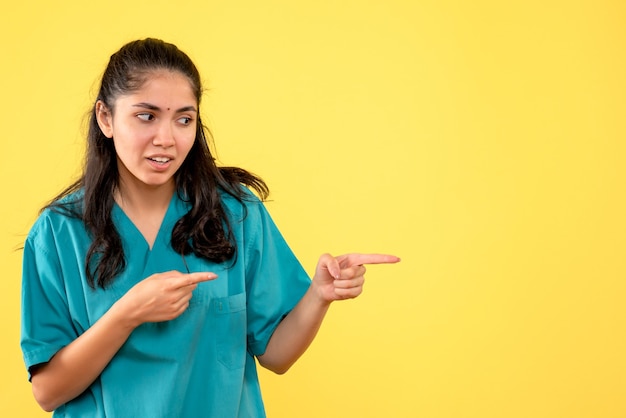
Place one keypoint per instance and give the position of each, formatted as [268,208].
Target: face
[153,130]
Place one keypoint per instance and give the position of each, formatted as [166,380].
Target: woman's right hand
[73,368]
[162,296]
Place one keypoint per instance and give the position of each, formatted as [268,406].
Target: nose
[164,136]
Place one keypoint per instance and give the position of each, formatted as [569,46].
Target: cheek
[130,138]
[186,143]
[129,150]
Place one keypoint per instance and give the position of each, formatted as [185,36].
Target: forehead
[162,87]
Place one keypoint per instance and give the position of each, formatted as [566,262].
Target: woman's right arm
[74,367]
[161,297]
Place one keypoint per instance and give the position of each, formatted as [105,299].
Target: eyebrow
[150,106]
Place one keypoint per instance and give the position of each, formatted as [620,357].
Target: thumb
[330,264]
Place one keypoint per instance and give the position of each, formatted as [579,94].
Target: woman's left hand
[342,277]
[335,278]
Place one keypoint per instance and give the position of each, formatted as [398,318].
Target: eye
[186,120]
[145,116]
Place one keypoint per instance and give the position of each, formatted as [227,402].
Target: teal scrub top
[200,364]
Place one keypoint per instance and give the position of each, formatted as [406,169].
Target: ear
[104,118]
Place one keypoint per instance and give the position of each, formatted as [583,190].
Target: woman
[152,283]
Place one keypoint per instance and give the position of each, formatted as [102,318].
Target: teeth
[160,159]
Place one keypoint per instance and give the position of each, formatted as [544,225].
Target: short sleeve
[46,325]
[275,279]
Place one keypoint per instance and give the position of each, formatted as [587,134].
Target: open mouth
[160,160]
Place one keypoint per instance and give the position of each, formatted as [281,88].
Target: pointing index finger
[195,278]
[359,259]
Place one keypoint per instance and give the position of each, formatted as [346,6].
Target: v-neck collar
[144,261]
[134,235]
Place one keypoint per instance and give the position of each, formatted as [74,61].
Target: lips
[160,160]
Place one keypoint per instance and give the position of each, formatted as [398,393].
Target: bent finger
[352,272]
[349,283]
[349,293]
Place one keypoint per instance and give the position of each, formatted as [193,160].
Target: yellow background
[482,141]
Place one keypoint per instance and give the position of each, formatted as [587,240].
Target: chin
[156,183]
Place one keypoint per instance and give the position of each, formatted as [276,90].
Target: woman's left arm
[336,278]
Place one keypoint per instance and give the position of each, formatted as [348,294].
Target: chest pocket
[229,314]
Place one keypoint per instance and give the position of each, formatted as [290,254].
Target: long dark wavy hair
[205,230]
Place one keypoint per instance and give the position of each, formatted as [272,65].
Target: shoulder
[69,205]
[247,211]
[244,200]
[59,217]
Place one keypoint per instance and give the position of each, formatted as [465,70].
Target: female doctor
[152,283]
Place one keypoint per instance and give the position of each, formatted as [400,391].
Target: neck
[142,198]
